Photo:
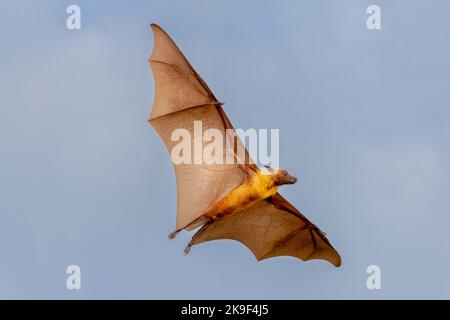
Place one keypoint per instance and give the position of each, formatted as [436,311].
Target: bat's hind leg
[203,228]
[194,224]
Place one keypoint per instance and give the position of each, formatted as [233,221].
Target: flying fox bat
[238,200]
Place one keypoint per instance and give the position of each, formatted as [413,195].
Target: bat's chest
[244,196]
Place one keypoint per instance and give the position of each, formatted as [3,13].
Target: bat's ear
[269,168]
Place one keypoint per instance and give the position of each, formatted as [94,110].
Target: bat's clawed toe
[188,248]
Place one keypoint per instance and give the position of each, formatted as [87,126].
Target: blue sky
[363,118]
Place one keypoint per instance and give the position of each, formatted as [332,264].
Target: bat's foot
[188,248]
[173,234]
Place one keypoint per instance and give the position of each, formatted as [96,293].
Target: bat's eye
[284,172]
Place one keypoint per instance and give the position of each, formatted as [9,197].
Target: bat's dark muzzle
[283,177]
[290,179]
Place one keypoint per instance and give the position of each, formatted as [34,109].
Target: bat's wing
[272,227]
[182,97]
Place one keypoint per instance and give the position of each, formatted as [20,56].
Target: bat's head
[281,177]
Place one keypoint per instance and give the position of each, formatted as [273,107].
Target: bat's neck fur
[263,184]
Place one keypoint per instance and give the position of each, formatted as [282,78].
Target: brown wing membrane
[182,97]
[177,85]
[198,186]
[271,228]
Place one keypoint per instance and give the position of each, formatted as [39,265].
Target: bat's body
[234,201]
[258,186]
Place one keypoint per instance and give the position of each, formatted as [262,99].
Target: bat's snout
[283,177]
[291,179]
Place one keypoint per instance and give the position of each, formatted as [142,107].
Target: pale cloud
[403,179]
